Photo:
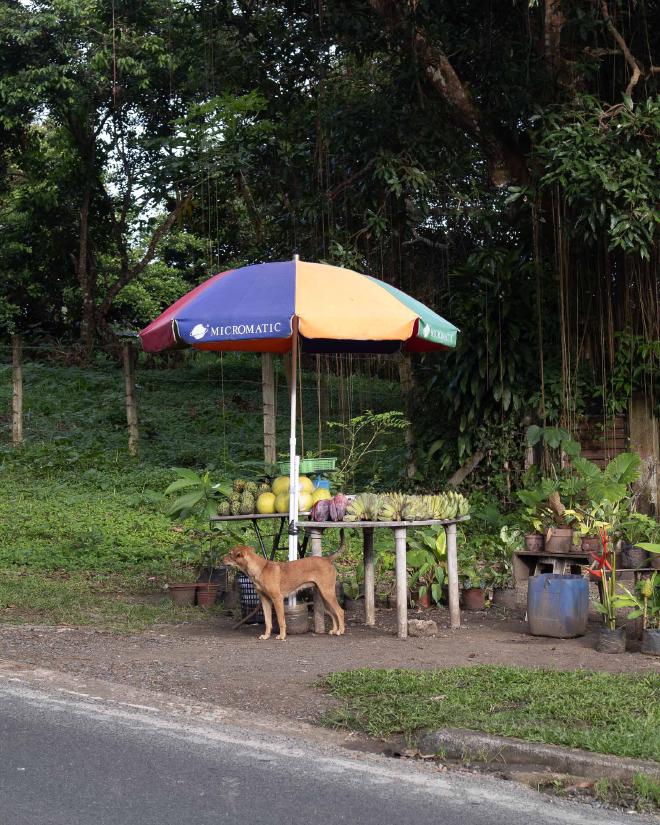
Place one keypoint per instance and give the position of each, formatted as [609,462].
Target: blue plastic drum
[557,605]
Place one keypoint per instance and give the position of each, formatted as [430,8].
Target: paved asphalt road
[70,760]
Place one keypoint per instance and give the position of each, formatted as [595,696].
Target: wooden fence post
[17,391]
[268,394]
[130,357]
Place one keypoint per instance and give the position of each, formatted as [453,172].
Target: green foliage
[609,713]
[427,561]
[119,603]
[605,160]
[364,439]
[641,794]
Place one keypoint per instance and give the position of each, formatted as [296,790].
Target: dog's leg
[268,616]
[278,604]
[332,606]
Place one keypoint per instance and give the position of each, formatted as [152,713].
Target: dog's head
[238,557]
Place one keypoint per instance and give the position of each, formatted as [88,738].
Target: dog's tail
[342,546]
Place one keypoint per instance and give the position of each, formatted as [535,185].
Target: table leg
[316,537]
[401,582]
[255,524]
[276,539]
[369,582]
[452,574]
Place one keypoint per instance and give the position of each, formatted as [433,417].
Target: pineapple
[247,503]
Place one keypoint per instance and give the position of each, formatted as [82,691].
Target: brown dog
[275,580]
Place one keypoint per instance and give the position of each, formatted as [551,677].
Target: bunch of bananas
[402,507]
[365,507]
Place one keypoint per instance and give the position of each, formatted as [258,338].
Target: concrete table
[400,530]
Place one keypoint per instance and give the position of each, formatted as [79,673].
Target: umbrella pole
[293,465]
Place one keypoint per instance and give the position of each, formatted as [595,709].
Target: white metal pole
[293,465]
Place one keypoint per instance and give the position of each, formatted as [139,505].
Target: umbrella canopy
[279,307]
[338,310]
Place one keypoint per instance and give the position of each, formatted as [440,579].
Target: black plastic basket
[249,599]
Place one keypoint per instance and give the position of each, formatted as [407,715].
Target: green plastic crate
[308,465]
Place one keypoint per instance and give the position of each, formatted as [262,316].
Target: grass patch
[642,794]
[607,713]
[118,603]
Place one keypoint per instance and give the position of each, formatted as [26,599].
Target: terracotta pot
[297,619]
[534,542]
[474,598]
[590,544]
[422,601]
[207,594]
[183,594]
[611,641]
[559,540]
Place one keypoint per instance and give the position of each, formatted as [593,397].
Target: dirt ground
[208,661]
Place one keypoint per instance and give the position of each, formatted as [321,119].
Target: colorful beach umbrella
[279,307]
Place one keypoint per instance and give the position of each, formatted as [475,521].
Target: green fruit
[282,502]
[281,485]
[251,487]
[266,503]
[238,486]
[223,508]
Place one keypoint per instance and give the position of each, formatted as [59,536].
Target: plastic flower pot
[633,557]
[207,594]
[651,642]
[183,594]
[422,600]
[474,598]
[505,597]
[611,641]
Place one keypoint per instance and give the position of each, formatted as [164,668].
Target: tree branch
[631,60]
[506,165]
[131,273]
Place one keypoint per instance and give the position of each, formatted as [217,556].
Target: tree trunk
[506,162]
[86,280]
[17,391]
[130,357]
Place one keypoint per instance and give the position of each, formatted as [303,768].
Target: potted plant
[196,501]
[500,571]
[611,639]
[637,530]
[351,589]
[427,561]
[471,576]
[646,604]
[184,589]
[589,520]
